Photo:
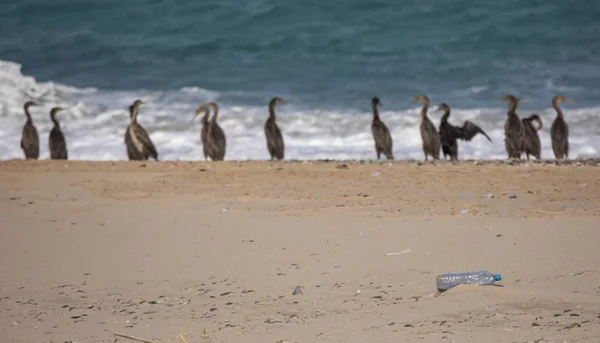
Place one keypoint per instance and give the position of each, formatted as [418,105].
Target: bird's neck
[271,111]
[512,108]
[375,111]
[133,115]
[424,110]
[214,117]
[205,117]
[53,118]
[445,116]
[26,108]
[559,112]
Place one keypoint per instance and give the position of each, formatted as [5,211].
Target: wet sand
[213,251]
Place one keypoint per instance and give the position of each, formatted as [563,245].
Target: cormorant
[56,140]
[204,136]
[429,134]
[450,133]
[559,131]
[217,136]
[272,133]
[531,140]
[513,128]
[30,140]
[138,143]
[381,134]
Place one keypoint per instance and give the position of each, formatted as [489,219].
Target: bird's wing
[218,133]
[59,138]
[470,130]
[559,131]
[381,134]
[273,134]
[142,135]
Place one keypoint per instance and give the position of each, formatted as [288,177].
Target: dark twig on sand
[131,337]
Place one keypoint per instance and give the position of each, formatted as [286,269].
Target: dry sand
[213,251]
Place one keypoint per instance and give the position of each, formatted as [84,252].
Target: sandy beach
[213,251]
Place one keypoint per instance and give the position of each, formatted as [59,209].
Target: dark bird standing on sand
[559,131]
[56,140]
[138,143]
[30,140]
[204,137]
[514,131]
[274,138]
[381,134]
[429,134]
[450,133]
[216,135]
[531,139]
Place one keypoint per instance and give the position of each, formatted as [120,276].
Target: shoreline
[13,163]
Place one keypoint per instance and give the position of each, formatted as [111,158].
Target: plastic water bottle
[446,281]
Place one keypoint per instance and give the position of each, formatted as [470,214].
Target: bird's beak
[569,100]
[198,111]
[522,101]
[414,99]
[438,109]
[500,99]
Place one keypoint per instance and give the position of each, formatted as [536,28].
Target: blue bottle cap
[497,277]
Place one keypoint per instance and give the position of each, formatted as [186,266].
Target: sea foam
[95,122]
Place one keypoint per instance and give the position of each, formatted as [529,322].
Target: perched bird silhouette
[559,131]
[450,133]
[204,131]
[30,140]
[216,136]
[383,139]
[138,142]
[429,133]
[531,139]
[273,134]
[514,132]
[56,140]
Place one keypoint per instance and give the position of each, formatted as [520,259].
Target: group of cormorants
[521,135]
[30,139]
[432,138]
